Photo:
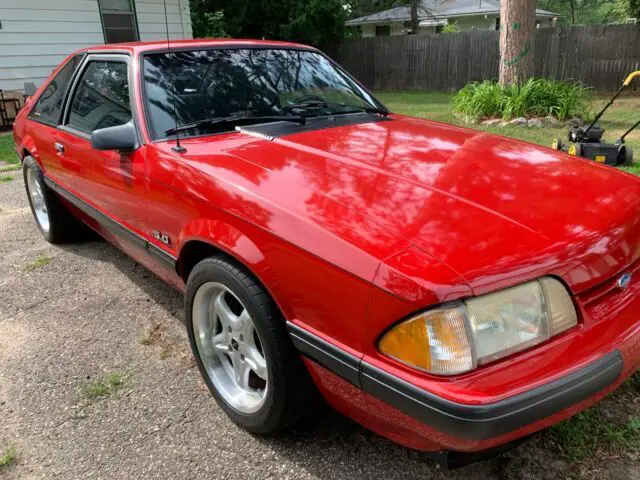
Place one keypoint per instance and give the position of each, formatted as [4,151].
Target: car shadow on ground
[327,445]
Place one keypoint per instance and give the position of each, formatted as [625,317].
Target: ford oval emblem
[624,280]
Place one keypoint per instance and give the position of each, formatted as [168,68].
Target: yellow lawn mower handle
[625,84]
[630,77]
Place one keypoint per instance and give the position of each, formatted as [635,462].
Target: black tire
[63,225]
[291,393]
[628,155]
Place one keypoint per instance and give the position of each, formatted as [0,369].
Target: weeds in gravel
[588,433]
[8,457]
[39,261]
[151,336]
[155,335]
[633,382]
[5,178]
[103,386]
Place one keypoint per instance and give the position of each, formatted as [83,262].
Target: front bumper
[476,424]
[480,422]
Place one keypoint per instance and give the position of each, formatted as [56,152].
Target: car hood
[495,210]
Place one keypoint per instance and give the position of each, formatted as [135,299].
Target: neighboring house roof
[438,9]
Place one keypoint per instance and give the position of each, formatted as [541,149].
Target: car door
[110,182]
[43,121]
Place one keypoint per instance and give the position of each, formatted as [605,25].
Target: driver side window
[101,98]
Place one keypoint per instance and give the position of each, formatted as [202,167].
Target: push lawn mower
[587,141]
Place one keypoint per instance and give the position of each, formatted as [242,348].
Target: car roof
[141,47]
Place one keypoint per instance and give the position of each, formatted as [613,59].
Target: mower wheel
[557,144]
[575,150]
[628,155]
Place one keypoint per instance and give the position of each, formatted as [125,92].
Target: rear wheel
[628,155]
[54,220]
[242,349]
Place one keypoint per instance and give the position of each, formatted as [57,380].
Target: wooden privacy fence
[599,57]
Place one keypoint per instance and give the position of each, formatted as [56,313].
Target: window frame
[381,27]
[134,16]
[100,57]
[65,94]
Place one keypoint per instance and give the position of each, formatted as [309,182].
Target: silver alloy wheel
[37,200]
[229,347]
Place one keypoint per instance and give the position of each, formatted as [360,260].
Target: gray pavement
[87,313]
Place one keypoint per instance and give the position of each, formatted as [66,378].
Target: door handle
[59,147]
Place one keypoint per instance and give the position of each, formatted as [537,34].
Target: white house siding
[36,35]
[151,22]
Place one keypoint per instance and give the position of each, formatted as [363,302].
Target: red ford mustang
[452,290]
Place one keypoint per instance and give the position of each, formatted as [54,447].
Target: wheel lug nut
[241,356]
[229,328]
[241,338]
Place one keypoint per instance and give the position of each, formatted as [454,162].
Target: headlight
[459,337]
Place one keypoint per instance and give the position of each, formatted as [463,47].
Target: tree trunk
[414,16]
[572,5]
[517,40]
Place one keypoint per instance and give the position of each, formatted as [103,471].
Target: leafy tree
[628,8]
[583,12]
[210,24]
[360,8]
[317,22]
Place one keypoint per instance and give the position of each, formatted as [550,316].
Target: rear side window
[49,106]
[102,97]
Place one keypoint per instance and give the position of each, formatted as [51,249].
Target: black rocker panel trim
[329,356]
[473,422]
[166,259]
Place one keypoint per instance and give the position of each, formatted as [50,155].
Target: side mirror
[123,138]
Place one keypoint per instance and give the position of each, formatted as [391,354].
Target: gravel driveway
[75,315]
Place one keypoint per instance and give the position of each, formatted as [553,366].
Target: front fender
[237,245]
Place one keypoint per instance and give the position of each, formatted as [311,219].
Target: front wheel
[242,349]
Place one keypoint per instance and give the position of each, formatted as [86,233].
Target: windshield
[209,84]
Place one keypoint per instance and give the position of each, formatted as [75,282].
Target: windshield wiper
[314,104]
[233,121]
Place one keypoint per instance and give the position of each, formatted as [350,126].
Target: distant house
[35,35]
[433,15]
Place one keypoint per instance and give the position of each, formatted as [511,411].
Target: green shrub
[451,28]
[479,100]
[537,97]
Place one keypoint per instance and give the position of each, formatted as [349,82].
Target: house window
[118,21]
[383,30]
[498,24]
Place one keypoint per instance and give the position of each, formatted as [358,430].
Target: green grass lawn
[8,158]
[437,106]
